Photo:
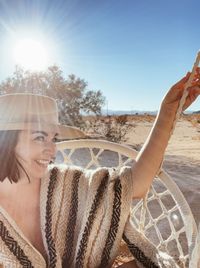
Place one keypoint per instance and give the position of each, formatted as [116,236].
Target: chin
[39,168]
[37,173]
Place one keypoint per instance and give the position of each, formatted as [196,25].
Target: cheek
[27,151]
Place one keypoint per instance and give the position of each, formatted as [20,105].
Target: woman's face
[35,150]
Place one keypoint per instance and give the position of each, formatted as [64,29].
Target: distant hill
[121,112]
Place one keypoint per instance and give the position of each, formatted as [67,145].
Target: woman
[56,216]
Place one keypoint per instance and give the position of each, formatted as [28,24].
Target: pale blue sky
[131,50]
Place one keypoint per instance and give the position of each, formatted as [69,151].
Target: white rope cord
[185,92]
[182,100]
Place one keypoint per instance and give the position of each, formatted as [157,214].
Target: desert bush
[122,119]
[111,128]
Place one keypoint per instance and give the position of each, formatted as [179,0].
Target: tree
[72,95]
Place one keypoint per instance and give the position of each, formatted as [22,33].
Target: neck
[7,189]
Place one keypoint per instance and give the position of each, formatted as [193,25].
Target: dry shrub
[112,128]
[121,119]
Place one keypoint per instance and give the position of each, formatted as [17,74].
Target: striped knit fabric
[84,215]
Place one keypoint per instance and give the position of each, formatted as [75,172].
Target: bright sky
[131,50]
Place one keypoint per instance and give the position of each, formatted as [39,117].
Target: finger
[177,89]
[193,93]
[194,90]
[180,84]
[183,80]
[197,73]
[176,92]
[198,70]
[196,80]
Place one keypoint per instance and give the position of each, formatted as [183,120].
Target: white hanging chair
[164,216]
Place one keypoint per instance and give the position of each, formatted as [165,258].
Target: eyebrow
[42,132]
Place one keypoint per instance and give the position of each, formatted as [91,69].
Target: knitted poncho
[84,215]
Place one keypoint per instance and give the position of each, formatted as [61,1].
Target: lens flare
[30,54]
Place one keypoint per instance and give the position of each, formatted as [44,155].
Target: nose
[50,148]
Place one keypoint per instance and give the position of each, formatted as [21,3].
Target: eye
[40,138]
[55,139]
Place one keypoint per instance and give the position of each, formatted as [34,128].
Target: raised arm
[150,156]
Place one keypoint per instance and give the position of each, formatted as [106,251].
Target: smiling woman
[31,54]
[67,216]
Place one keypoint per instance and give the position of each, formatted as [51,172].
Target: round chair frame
[178,216]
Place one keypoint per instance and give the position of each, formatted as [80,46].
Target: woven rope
[182,100]
[185,92]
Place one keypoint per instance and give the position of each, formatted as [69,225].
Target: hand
[173,96]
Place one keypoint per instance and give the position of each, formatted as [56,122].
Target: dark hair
[9,164]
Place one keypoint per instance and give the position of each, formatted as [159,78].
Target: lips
[43,162]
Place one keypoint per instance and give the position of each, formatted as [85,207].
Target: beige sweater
[84,215]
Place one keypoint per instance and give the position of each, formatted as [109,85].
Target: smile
[42,162]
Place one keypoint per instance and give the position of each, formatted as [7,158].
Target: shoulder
[63,172]
[63,169]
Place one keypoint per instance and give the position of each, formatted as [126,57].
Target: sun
[30,54]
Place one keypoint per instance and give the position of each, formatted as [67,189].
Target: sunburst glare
[31,54]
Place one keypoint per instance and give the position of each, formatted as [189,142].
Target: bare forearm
[150,157]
